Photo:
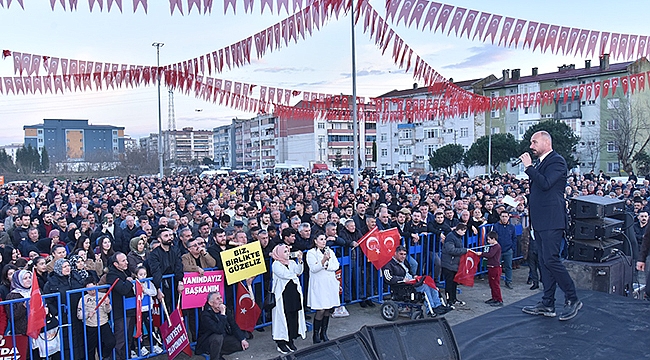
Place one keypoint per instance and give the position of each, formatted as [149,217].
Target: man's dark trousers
[552,270]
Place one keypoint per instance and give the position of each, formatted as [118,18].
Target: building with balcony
[590,117]
[253,142]
[221,142]
[76,140]
[407,146]
[187,145]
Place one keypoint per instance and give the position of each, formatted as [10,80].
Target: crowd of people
[77,234]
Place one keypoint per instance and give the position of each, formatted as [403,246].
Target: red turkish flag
[434,7]
[493,27]
[406,10]
[482,22]
[624,84]
[642,46]
[613,44]
[469,22]
[641,81]
[467,268]
[138,305]
[444,16]
[604,37]
[36,315]
[562,39]
[530,32]
[614,85]
[606,85]
[379,246]
[588,90]
[247,312]
[541,37]
[622,46]
[416,15]
[458,18]
[551,39]
[582,41]
[517,33]
[596,89]
[505,30]
[593,40]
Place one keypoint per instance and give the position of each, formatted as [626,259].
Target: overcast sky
[321,63]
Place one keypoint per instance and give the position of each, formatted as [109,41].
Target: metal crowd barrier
[359,281]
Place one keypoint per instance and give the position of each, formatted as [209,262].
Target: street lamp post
[355,125]
[158,45]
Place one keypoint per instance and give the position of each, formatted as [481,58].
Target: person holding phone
[323,293]
[288,313]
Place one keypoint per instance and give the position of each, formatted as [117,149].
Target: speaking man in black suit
[548,218]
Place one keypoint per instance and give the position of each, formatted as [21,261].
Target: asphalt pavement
[262,345]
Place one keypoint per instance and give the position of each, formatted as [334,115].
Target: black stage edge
[607,327]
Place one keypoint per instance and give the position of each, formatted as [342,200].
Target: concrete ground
[262,345]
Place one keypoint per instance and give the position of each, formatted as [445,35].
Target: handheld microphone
[516,162]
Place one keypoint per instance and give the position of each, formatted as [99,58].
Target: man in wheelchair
[396,274]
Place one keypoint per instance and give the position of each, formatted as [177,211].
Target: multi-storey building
[589,116]
[407,146]
[253,142]
[188,145]
[221,140]
[76,140]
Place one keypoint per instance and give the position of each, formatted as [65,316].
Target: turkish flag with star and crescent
[247,310]
[379,246]
[467,269]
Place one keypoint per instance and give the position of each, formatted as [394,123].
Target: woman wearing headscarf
[61,280]
[323,290]
[288,313]
[138,253]
[21,288]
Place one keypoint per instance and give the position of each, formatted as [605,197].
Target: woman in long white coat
[323,293]
[288,313]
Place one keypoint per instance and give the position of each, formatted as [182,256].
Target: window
[337,126]
[321,125]
[384,152]
[406,134]
[383,137]
[612,146]
[612,167]
[494,114]
[612,124]
[40,131]
[495,130]
[613,103]
[464,115]
[405,150]
[114,132]
[396,150]
[368,151]
[464,132]
[430,149]
[432,133]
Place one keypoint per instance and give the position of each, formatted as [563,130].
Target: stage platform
[607,327]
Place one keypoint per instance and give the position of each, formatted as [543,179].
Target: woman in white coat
[288,313]
[323,293]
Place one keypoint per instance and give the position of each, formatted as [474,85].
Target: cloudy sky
[321,63]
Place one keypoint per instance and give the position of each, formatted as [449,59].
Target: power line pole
[158,45]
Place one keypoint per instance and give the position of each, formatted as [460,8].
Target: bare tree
[628,127]
[592,147]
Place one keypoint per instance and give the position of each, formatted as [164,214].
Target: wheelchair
[406,301]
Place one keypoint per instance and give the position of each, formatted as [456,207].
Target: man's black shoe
[539,309]
[509,285]
[535,286]
[363,303]
[370,303]
[529,281]
[497,304]
[491,301]
[441,310]
[570,310]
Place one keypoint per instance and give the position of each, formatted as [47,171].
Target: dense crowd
[77,234]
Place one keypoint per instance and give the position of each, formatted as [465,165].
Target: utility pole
[355,125]
[158,45]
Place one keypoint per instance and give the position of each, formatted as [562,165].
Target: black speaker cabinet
[613,276]
[593,206]
[589,229]
[418,339]
[353,346]
[592,250]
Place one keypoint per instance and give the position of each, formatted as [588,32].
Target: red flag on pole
[36,315]
[467,269]
[138,305]
[247,310]
[379,246]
